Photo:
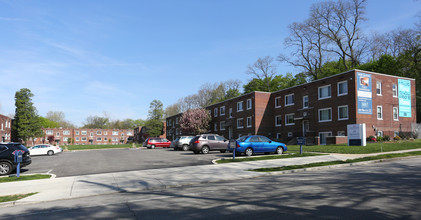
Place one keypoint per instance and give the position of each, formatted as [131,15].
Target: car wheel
[249,152]
[5,168]
[50,153]
[223,151]
[279,150]
[205,149]
[152,146]
[185,147]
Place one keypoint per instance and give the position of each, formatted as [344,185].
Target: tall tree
[340,23]
[263,69]
[96,122]
[195,121]
[59,117]
[154,123]
[26,124]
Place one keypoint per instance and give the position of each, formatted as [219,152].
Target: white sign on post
[356,135]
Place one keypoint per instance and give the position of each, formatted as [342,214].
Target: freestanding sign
[356,135]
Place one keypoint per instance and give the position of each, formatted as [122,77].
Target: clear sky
[87,57]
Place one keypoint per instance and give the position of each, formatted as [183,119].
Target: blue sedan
[257,144]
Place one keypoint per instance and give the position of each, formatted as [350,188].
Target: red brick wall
[5,129]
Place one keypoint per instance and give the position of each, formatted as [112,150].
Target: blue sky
[93,56]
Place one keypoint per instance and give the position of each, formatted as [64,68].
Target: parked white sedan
[44,149]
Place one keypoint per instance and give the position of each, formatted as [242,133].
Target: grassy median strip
[329,163]
[271,157]
[107,146]
[23,178]
[370,148]
[15,197]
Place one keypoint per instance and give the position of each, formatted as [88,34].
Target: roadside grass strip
[23,178]
[271,157]
[90,147]
[370,148]
[329,163]
[11,198]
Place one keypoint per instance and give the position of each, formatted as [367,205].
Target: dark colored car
[252,144]
[208,142]
[7,158]
[153,142]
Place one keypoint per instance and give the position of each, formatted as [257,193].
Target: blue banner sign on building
[364,94]
[404,94]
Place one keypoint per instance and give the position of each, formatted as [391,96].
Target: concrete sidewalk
[98,184]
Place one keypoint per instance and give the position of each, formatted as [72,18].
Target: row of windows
[395,113]
[67,132]
[325,115]
[239,108]
[65,139]
[5,125]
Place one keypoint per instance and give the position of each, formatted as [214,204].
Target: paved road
[115,160]
[388,190]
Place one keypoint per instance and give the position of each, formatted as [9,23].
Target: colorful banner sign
[364,94]
[404,94]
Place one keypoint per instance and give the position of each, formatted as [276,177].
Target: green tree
[26,124]
[96,122]
[154,125]
[46,123]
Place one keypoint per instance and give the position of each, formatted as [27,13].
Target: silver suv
[208,142]
[182,143]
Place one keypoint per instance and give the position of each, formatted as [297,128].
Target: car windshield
[242,138]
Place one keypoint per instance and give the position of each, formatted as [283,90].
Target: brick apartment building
[317,110]
[81,136]
[5,129]
[141,133]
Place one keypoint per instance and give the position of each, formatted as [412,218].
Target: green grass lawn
[329,163]
[270,157]
[15,197]
[108,146]
[25,177]
[370,148]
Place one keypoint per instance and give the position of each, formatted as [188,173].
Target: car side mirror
[270,142]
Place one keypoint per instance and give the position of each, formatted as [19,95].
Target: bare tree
[263,69]
[309,48]
[340,23]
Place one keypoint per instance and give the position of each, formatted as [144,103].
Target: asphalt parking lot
[84,162]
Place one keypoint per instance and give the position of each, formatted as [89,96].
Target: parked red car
[153,142]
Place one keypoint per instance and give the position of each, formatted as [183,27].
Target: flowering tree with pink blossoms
[195,121]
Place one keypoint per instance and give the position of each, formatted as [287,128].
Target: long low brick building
[317,110]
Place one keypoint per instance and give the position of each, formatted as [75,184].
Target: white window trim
[276,121]
[323,110]
[377,112]
[220,110]
[215,126]
[347,113]
[238,123]
[286,99]
[247,104]
[215,112]
[286,121]
[327,97]
[346,88]
[249,126]
[221,125]
[230,112]
[308,103]
[379,94]
[242,107]
[395,96]
[278,136]
[397,114]
[279,102]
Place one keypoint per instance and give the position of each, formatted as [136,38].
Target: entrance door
[306,127]
[323,136]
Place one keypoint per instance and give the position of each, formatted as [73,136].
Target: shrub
[386,138]
[379,138]
[397,138]
[371,138]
